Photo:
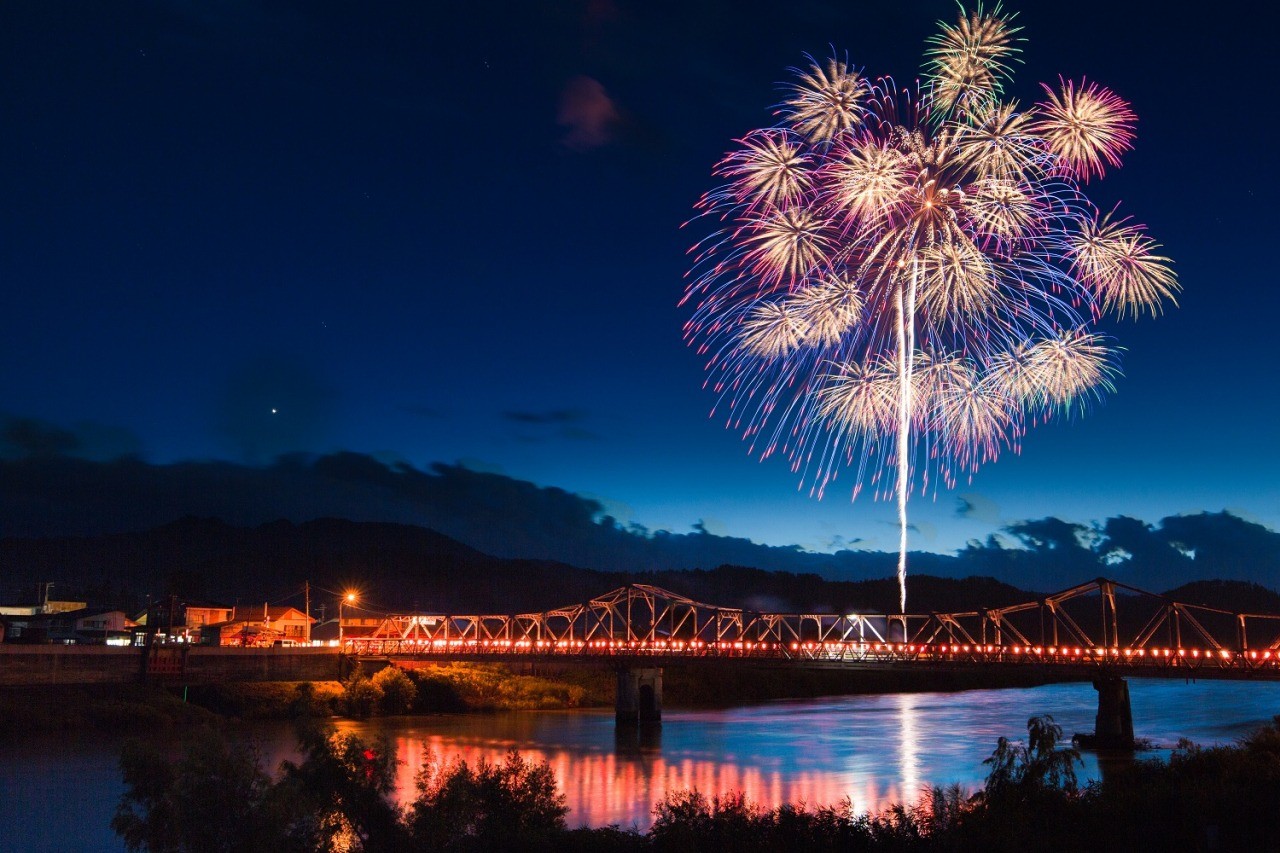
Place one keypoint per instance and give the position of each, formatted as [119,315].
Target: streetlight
[349,598]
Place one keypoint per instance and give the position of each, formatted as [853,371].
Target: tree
[1041,764]
[218,799]
[342,786]
[398,691]
[215,799]
[486,807]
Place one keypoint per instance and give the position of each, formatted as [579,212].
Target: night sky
[451,233]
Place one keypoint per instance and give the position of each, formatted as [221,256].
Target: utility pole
[306,597]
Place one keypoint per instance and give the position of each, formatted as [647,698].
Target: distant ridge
[504,517]
[402,567]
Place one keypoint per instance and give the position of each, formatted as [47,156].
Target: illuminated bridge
[1101,630]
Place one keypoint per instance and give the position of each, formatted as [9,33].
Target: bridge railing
[1099,623]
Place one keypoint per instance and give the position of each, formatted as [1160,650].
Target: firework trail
[903,279]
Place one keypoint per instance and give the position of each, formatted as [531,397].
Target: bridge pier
[639,697]
[1113,727]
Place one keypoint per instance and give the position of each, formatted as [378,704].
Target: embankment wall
[31,665]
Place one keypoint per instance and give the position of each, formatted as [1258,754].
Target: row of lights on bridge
[825,647]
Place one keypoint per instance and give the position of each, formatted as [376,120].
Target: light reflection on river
[60,794]
[876,750]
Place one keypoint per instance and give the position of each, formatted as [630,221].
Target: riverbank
[96,708]
[451,688]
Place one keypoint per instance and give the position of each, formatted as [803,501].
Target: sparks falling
[906,277]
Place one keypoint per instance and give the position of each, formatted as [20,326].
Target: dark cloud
[588,113]
[104,442]
[496,514]
[978,508]
[839,542]
[555,423]
[554,416]
[23,437]
[59,495]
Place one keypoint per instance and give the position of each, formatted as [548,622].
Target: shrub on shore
[398,691]
[458,687]
[268,700]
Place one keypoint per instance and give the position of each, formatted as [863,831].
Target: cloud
[493,513]
[978,508]
[59,495]
[554,416]
[560,423]
[588,113]
[839,542]
[24,437]
[711,526]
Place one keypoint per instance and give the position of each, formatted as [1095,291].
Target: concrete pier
[1113,727]
[639,697]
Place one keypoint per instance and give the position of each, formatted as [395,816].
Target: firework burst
[907,278]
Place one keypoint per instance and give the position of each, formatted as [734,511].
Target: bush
[398,692]
[211,799]
[493,687]
[312,700]
[490,807]
[361,698]
[217,798]
[268,700]
[687,820]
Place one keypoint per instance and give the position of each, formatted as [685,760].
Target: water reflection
[58,794]
[875,750]
[908,757]
[637,741]
[619,787]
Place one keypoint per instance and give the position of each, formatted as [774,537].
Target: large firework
[907,277]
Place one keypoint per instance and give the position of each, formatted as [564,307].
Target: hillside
[404,567]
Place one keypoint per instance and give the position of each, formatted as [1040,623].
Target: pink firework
[905,278]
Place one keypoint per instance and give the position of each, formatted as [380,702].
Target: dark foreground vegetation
[218,797]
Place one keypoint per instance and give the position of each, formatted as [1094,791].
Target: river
[59,794]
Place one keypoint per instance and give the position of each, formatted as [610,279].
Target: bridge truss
[1099,624]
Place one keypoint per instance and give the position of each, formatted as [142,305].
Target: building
[260,626]
[189,618]
[71,626]
[39,609]
[112,627]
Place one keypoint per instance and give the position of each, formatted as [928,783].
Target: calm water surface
[59,794]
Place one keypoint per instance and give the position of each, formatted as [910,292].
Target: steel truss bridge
[1099,625]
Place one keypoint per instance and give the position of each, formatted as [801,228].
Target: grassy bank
[449,688]
[95,707]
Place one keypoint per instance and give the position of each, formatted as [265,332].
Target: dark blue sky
[453,233]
